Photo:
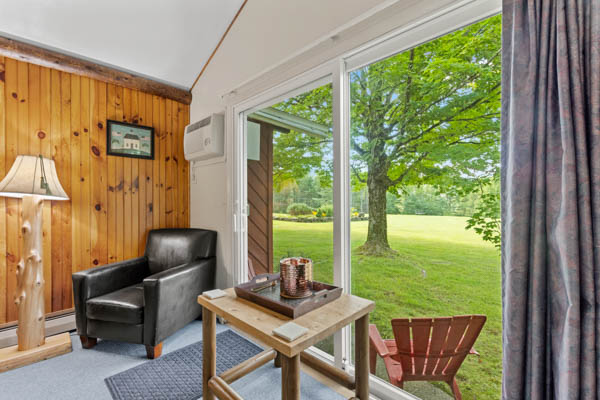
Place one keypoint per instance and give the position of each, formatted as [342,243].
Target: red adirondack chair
[426,349]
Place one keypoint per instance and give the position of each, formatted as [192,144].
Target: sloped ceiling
[166,40]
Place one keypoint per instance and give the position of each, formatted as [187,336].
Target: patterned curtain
[551,199]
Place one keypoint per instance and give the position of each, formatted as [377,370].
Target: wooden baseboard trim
[11,358]
[54,326]
[49,316]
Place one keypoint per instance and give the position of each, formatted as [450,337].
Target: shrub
[299,209]
[325,211]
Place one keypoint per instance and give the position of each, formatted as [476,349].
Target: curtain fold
[551,199]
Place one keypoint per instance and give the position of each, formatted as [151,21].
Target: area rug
[178,375]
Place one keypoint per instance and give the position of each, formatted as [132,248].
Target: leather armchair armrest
[95,282]
[170,298]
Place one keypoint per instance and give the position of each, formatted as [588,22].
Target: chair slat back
[439,333]
[468,340]
[401,328]
[435,346]
[455,333]
[421,328]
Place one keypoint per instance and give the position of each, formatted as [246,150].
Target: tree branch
[357,148]
[408,169]
[357,174]
[399,145]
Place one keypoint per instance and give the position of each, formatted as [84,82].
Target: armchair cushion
[102,280]
[124,305]
[168,248]
[171,298]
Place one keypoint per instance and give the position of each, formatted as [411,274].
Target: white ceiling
[265,35]
[166,40]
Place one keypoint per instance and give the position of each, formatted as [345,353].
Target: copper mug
[295,277]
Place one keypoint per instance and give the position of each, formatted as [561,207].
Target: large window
[388,179]
[425,135]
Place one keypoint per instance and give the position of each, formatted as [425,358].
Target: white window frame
[336,71]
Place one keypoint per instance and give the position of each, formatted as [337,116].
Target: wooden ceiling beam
[48,58]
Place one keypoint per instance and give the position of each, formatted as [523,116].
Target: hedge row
[314,219]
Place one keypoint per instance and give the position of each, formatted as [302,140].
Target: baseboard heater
[59,322]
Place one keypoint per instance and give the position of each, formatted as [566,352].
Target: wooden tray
[293,308]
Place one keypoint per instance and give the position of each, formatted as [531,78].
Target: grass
[441,269]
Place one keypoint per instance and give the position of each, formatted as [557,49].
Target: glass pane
[302,197]
[425,134]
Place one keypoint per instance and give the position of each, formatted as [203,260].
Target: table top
[259,322]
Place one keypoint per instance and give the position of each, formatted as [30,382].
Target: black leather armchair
[146,299]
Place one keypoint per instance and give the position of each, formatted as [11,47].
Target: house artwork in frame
[129,140]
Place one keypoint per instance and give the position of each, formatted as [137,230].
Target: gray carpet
[81,374]
[178,375]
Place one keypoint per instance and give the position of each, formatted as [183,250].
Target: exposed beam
[219,44]
[52,59]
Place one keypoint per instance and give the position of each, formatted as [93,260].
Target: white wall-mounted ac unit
[203,140]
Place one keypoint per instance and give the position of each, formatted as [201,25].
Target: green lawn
[441,269]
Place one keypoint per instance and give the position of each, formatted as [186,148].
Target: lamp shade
[32,175]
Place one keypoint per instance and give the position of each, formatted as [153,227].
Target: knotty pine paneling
[114,201]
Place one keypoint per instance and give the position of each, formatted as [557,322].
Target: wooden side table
[259,322]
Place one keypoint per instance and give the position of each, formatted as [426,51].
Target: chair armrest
[377,342]
[171,298]
[95,282]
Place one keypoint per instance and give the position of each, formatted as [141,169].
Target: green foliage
[486,219]
[428,200]
[425,200]
[307,189]
[429,115]
[299,209]
[391,204]
[325,211]
[296,154]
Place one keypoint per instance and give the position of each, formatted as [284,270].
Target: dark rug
[178,374]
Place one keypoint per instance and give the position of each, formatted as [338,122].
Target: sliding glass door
[384,168]
[289,185]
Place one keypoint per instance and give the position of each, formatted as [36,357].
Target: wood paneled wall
[260,202]
[114,201]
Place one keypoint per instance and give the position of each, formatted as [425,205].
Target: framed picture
[129,140]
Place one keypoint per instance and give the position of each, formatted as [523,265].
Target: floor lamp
[32,179]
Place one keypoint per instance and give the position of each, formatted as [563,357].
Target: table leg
[278,360]
[209,351]
[361,350]
[290,377]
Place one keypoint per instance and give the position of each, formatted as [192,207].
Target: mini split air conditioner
[203,140]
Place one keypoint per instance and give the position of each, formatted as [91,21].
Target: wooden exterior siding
[260,202]
[114,201]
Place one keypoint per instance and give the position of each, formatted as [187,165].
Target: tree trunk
[377,185]
[377,215]
[30,278]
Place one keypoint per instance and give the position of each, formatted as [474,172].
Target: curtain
[551,199]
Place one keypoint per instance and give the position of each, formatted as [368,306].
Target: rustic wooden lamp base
[11,358]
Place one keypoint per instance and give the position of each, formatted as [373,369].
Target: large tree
[429,115]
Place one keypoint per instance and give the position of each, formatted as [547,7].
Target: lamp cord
[43,178]
[34,173]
